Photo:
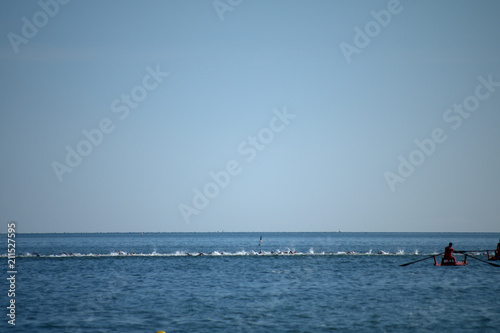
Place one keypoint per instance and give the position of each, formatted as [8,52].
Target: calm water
[102,287]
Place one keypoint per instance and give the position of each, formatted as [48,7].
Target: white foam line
[122,254]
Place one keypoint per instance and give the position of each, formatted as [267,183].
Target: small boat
[492,257]
[450,262]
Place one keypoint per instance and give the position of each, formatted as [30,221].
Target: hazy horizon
[252,232]
[250,116]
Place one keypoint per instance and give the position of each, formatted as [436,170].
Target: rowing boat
[450,262]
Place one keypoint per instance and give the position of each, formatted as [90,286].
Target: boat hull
[450,262]
[493,257]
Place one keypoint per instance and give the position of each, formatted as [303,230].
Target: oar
[474,251]
[409,263]
[490,263]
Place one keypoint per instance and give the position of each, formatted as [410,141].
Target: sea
[249,282]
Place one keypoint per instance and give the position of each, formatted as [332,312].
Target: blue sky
[173,93]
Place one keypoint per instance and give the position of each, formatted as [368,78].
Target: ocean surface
[345,282]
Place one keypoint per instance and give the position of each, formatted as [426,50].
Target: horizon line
[220,232]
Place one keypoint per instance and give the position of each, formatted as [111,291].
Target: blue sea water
[148,282]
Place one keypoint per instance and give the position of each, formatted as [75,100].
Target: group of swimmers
[120,253]
[280,252]
[448,253]
[252,253]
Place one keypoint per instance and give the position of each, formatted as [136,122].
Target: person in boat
[448,253]
[497,251]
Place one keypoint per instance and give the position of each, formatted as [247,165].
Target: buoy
[160,332]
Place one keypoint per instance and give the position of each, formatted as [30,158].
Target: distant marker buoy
[160,332]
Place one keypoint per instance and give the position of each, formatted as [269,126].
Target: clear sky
[120,116]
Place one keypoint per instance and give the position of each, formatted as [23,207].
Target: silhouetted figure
[497,251]
[448,254]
